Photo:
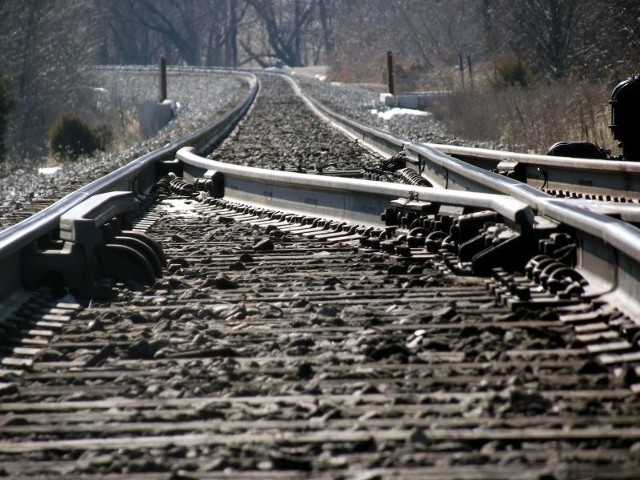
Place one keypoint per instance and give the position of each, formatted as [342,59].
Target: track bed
[264,351]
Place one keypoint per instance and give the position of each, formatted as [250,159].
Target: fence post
[390,75]
[163,79]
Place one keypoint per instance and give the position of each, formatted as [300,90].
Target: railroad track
[250,323]
[564,177]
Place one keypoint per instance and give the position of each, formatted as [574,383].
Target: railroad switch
[212,184]
[92,244]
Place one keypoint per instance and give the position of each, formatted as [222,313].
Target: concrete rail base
[416,101]
[153,116]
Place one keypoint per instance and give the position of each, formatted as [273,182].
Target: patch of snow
[389,114]
[48,170]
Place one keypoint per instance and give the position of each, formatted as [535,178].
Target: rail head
[126,177]
[441,169]
[514,211]
[606,242]
[519,204]
[537,160]
[592,177]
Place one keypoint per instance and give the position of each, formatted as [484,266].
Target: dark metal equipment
[625,105]
[625,126]
[578,150]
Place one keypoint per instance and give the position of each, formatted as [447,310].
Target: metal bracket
[512,169]
[76,259]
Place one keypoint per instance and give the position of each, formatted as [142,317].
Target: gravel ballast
[201,96]
[291,138]
[362,103]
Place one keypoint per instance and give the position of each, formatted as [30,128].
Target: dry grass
[532,119]
[527,119]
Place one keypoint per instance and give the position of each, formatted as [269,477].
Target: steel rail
[609,249]
[137,176]
[343,198]
[602,177]
[442,170]
[466,168]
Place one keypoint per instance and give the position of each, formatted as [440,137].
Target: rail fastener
[92,243]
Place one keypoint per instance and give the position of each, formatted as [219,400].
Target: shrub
[510,73]
[70,137]
[6,105]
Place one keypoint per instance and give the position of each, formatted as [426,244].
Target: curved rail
[442,170]
[608,248]
[447,166]
[345,198]
[137,177]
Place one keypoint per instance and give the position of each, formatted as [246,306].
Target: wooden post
[470,72]
[163,79]
[390,75]
[462,71]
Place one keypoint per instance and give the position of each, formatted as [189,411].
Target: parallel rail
[608,248]
[609,252]
[607,178]
[312,356]
[342,198]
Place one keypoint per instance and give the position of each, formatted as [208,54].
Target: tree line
[48,45]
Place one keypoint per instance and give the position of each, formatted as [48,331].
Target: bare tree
[327,10]
[288,27]
[121,42]
[361,41]
[546,33]
[224,21]
[424,35]
[192,32]
[615,38]
[174,23]
[45,48]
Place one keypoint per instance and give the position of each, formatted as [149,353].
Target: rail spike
[91,245]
